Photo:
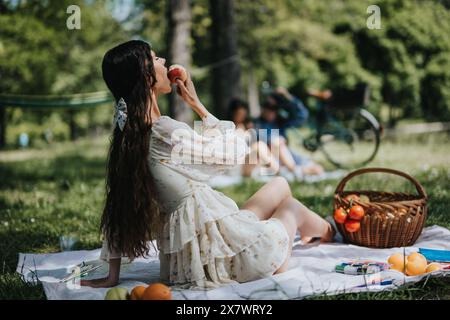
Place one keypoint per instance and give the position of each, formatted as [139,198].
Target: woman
[205,240]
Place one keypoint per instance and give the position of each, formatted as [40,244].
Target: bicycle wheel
[349,138]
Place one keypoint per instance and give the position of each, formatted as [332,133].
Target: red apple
[175,72]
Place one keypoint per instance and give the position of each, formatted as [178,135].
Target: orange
[433,267]
[157,291]
[416,267]
[137,292]
[397,261]
[417,256]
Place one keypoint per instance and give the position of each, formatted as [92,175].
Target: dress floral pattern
[206,240]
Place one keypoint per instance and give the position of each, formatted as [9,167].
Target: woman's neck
[155,113]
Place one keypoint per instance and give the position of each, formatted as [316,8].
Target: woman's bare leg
[267,199]
[275,200]
[285,214]
[295,216]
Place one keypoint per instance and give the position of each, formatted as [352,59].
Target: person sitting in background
[282,111]
[238,112]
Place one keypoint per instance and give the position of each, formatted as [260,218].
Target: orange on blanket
[433,267]
[137,293]
[398,262]
[157,291]
[413,265]
[417,264]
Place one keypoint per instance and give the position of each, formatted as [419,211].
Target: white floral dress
[207,241]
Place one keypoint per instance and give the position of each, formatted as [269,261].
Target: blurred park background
[231,47]
[56,116]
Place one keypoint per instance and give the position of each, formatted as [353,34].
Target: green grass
[58,190]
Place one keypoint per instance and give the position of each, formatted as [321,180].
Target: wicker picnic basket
[392,219]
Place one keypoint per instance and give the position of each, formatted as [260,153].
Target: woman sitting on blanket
[204,239]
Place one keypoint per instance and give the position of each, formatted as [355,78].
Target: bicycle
[343,129]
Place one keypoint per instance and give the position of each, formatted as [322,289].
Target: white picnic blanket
[310,272]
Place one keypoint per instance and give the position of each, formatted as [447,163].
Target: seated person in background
[238,112]
[283,111]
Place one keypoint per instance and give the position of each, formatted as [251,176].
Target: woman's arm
[110,281]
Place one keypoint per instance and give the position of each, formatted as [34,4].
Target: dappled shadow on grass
[63,169]
[12,287]
[13,242]
[38,239]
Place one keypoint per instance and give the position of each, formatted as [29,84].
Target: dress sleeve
[211,122]
[212,142]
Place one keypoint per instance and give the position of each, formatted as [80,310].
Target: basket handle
[419,187]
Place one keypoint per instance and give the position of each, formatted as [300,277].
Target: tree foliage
[40,55]
[299,44]
[308,43]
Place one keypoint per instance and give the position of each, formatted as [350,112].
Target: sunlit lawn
[59,190]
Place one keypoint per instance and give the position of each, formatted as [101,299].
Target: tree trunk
[2,126]
[225,76]
[253,95]
[179,51]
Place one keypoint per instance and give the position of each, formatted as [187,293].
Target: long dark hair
[131,210]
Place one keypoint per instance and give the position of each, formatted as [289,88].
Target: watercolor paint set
[361,267]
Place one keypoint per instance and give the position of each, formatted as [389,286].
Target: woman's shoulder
[166,121]
[162,119]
